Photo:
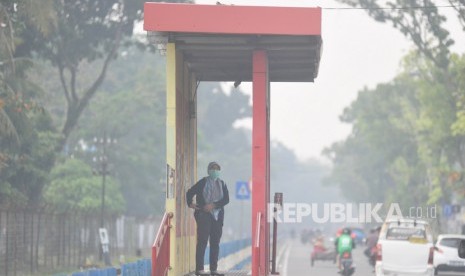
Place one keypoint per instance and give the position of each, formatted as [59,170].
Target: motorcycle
[322,254]
[371,254]
[347,264]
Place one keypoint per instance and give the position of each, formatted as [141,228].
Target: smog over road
[239,137]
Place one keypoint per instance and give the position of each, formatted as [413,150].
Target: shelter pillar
[260,164]
[181,158]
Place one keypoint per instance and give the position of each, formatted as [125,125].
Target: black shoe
[216,273]
[201,272]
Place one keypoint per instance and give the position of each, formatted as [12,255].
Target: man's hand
[209,207]
[194,206]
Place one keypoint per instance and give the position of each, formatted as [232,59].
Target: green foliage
[87,31]
[74,187]
[28,162]
[423,26]
[218,138]
[131,108]
[26,135]
[362,162]
[406,137]
[458,74]
[431,113]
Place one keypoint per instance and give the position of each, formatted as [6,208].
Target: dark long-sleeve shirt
[197,191]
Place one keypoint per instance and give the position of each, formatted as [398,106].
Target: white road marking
[286,259]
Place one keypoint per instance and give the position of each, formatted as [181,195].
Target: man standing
[211,194]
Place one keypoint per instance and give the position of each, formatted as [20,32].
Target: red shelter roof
[218,40]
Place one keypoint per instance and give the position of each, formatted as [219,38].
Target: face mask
[214,174]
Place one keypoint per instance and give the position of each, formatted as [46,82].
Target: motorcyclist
[319,245]
[320,251]
[371,242]
[344,244]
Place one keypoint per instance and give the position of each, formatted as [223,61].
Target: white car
[446,257]
[405,247]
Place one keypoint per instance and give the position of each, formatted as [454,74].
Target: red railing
[161,248]
[256,248]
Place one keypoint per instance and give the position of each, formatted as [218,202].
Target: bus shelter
[226,43]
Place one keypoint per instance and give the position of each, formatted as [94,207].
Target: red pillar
[260,164]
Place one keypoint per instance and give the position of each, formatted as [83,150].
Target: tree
[407,134]
[25,128]
[87,31]
[74,187]
[437,116]
[131,108]
[219,139]
[11,68]
[7,129]
[380,157]
[419,20]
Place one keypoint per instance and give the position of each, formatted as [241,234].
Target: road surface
[294,260]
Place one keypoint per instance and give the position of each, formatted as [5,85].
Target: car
[446,257]
[405,247]
[358,235]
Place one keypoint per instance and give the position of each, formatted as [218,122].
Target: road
[294,260]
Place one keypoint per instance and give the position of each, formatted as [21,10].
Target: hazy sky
[357,52]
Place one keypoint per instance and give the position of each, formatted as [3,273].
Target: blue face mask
[214,174]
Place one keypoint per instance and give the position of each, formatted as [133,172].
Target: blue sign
[447,210]
[242,190]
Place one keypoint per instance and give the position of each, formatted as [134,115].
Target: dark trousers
[207,228]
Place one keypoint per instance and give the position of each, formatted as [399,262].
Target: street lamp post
[103,171]
[101,159]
